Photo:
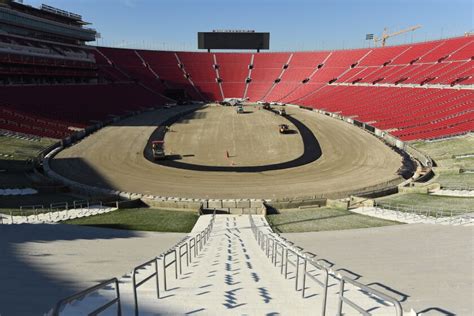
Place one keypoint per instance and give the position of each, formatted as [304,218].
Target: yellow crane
[386,35]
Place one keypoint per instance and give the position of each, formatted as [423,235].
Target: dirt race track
[320,156]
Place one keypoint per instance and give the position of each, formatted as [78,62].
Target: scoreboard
[230,39]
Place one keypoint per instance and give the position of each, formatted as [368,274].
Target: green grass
[458,205]
[443,153]
[322,219]
[453,179]
[13,148]
[16,172]
[143,219]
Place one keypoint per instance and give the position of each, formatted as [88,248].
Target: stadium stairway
[238,270]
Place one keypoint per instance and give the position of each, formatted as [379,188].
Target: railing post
[341,294]
[304,276]
[165,286]
[175,264]
[117,293]
[297,271]
[157,279]
[135,294]
[188,261]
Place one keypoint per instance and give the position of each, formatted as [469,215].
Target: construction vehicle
[158,149]
[386,35]
[240,109]
[283,128]
[282,112]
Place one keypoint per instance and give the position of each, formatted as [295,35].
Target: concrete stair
[237,271]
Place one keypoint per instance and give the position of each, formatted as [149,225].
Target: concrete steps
[237,271]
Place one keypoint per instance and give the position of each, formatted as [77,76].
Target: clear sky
[293,24]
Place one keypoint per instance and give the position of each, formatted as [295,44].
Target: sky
[293,24]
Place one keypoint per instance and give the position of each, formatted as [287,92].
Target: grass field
[15,172]
[444,154]
[458,205]
[12,148]
[322,219]
[453,179]
[143,219]
[14,156]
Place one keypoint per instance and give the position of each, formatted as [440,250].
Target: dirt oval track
[115,157]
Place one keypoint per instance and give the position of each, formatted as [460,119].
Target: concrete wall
[297,203]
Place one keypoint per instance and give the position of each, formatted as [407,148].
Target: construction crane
[386,35]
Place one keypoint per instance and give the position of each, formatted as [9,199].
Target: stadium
[227,179]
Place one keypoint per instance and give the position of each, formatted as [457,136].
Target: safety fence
[291,259]
[425,213]
[157,269]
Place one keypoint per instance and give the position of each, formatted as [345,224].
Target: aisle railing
[285,256]
[83,294]
[188,243]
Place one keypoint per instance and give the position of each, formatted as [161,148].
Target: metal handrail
[270,248]
[187,242]
[137,285]
[369,291]
[82,294]
[323,284]
[192,245]
[198,244]
[264,240]
[279,245]
[181,254]
[166,265]
[295,264]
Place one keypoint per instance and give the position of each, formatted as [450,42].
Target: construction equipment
[282,112]
[240,109]
[283,128]
[158,149]
[386,35]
